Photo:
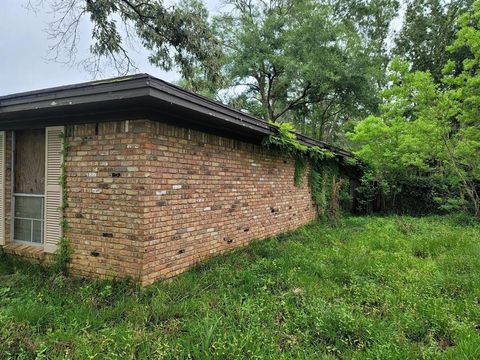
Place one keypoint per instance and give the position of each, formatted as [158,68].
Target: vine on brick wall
[327,185]
[299,174]
[64,250]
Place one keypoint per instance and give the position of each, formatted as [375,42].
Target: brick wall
[105,191]
[207,194]
[148,200]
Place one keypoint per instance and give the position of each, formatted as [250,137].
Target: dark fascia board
[40,104]
[172,94]
[205,105]
[77,94]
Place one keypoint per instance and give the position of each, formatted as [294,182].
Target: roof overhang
[135,97]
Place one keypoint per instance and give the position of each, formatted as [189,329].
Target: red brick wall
[148,200]
[207,194]
[105,188]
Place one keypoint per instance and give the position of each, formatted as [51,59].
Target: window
[28,223]
[29,186]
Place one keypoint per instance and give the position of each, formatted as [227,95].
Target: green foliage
[374,288]
[62,256]
[330,191]
[429,27]
[429,131]
[286,140]
[178,37]
[405,135]
[327,184]
[461,107]
[317,64]
[317,188]
[311,63]
[300,167]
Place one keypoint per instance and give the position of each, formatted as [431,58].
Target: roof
[139,96]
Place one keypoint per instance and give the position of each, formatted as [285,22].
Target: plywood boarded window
[30,161]
[29,186]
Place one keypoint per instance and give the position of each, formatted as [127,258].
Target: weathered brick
[169,197]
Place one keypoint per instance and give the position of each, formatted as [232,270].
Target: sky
[24,44]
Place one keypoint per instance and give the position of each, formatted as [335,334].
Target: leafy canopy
[429,27]
[177,36]
[307,62]
[428,130]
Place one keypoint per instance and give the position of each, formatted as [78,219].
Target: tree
[430,131]
[463,106]
[302,62]
[429,27]
[404,140]
[371,19]
[317,64]
[178,35]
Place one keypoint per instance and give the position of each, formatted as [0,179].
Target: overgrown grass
[371,288]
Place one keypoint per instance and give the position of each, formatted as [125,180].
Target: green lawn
[371,288]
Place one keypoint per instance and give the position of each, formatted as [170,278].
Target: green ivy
[317,189]
[328,186]
[286,141]
[300,167]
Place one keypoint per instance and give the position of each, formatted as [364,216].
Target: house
[150,178]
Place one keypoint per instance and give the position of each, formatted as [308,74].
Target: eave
[135,97]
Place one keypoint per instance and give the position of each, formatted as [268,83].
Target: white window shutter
[53,188]
[2,187]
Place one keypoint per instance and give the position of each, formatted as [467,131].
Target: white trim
[38,245]
[29,195]
[53,188]
[32,220]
